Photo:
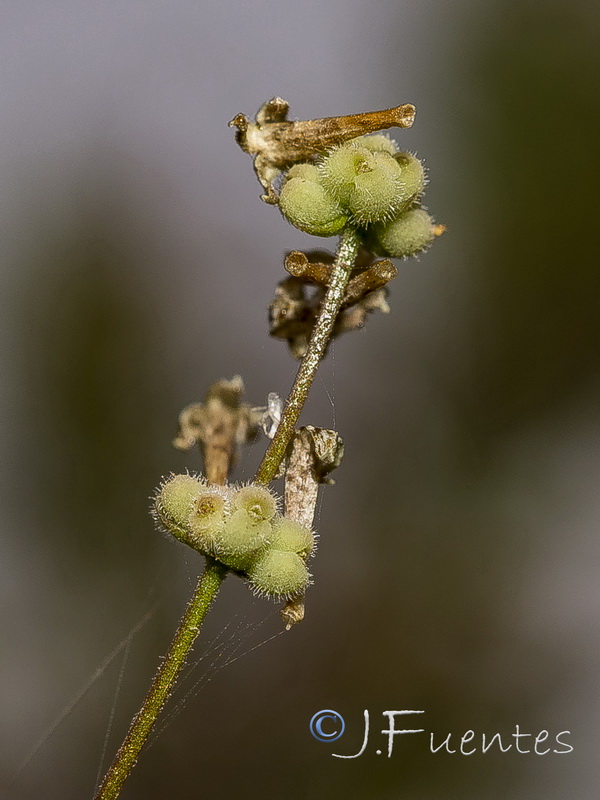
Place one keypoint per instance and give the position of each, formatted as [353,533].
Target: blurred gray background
[457,568]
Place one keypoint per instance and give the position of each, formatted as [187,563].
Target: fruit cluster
[239,526]
[367,184]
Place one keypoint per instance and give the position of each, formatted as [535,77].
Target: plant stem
[340,274]
[214,573]
[164,680]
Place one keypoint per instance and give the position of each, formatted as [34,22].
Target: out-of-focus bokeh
[457,570]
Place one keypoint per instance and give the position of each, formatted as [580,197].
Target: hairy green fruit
[377,143]
[279,574]
[173,503]
[368,183]
[412,232]
[241,539]
[207,518]
[257,501]
[379,192]
[307,206]
[339,168]
[307,171]
[412,174]
[292,537]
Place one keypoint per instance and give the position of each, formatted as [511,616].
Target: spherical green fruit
[292,537]
[174,500]
[377,143]
[379,191]
[368,183]
[258,501]
[412,174]
[339,168]
[241,539]
[407,235]
[307,206]
[207,517]
[209,507]
[307,171]
[279,574]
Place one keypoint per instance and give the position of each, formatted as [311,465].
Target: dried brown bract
[276,142]
[218,426]
[313,454]
[297,302]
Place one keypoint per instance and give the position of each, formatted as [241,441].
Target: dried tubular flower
[219,425]
[370,279]
[293,312]
[293,612]
[276,143]
[298,265]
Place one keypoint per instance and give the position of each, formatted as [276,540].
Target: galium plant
[329,177]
